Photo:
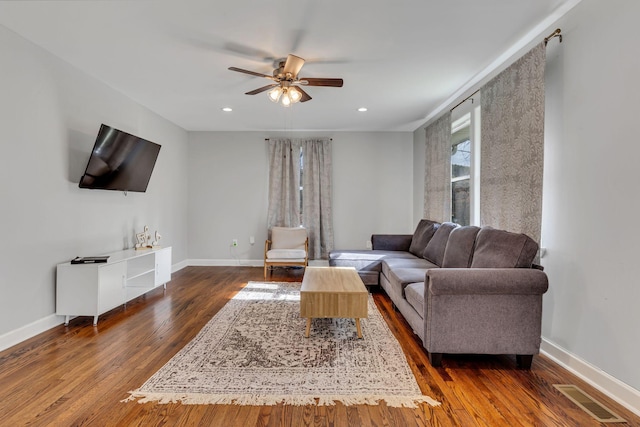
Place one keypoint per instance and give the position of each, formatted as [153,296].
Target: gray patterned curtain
[317,215]
[284,183]
[284,190]
[437,171]
[513,146]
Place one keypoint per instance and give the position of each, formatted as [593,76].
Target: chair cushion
[424,232]
[459,250]
[288,238]
[503,249]
[286,254]
[434,251]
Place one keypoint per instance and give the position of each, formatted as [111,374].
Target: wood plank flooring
[77,375]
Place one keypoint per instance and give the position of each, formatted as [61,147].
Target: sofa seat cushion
[367,260]
[459,250]
[434,251]
[400,278]
[414,293]
[286,254]
[424,232]
[503,249]
[393,263]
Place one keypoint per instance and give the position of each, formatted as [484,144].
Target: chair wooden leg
[265,271]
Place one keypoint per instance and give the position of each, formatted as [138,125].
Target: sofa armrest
[483,310]
[391,242]
[486,281]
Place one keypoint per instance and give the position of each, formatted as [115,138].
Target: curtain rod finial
[556,33]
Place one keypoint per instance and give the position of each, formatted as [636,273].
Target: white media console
[94,289]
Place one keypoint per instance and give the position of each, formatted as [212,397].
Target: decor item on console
[463,290]
[143,239]
[156,242]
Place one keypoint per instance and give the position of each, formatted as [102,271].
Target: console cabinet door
[111,286]
[163,266]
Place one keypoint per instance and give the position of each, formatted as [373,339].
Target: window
[465,143]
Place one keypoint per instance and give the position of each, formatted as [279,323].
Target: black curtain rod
[460,103]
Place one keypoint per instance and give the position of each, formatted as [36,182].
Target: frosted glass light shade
[294,94]
[275,94]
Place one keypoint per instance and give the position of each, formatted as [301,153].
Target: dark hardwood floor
[78,375]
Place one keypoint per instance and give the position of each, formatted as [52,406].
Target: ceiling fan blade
[253,73]
[262,89]
[305,95]
[293,65]
[310,81]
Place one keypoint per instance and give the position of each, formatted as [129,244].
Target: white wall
[228,185]
[50,114]
[590,203]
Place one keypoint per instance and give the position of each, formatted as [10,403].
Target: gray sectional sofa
[463,290]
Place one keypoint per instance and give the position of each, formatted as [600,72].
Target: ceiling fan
[286,87]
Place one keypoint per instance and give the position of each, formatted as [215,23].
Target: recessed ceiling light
[362,109]
[227,109]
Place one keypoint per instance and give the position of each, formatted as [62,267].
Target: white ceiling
[401,59]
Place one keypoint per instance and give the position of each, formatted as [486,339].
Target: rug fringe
[271,400]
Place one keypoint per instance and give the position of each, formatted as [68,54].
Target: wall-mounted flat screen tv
[120,161]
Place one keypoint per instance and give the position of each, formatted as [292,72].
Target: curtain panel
[317,210]
[284,183]
[512,152]
[284,190]
[437,177]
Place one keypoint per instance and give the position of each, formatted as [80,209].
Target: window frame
[468,114]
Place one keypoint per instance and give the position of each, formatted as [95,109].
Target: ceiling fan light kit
[286,87]
[287,95]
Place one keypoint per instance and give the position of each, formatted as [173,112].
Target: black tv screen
[120,161]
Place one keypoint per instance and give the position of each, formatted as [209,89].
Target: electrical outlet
[252,240]
[369,245]
[234,242]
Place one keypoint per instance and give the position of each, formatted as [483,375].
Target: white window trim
[470,107]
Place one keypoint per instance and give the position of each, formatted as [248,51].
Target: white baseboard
[25,332]
[607,384]
[226,262]
[179,266]
[242,262]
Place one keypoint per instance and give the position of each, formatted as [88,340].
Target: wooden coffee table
[333,292]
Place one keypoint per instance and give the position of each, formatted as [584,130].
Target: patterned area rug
[253,352]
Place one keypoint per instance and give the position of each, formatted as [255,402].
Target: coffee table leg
[358,328]
[306,333]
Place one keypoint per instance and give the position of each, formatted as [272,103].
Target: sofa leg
[435,359]
[524,360]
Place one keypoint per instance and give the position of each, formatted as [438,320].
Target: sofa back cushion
[503,249]
[459,250]
[434,251]
[423,234]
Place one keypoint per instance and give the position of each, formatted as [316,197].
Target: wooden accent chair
[289,246]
